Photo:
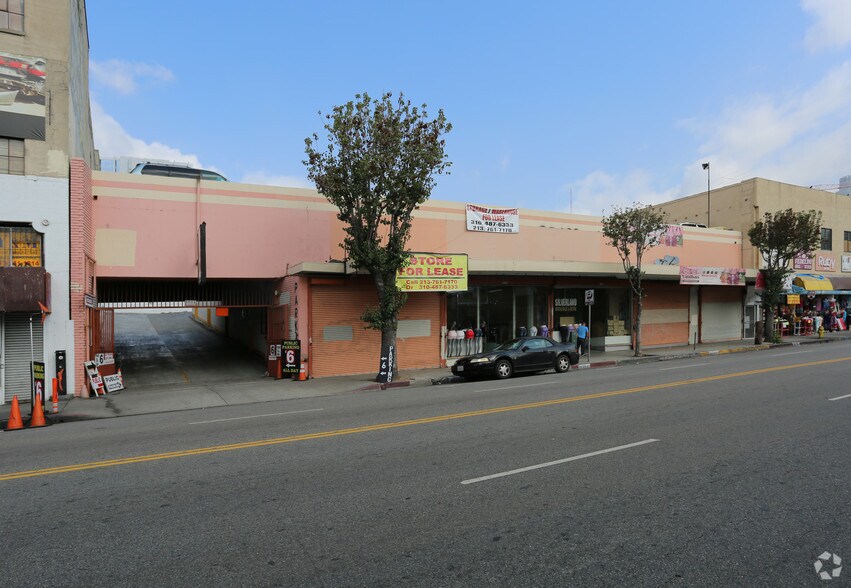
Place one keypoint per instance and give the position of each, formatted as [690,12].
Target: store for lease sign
[435,272]
[485,219]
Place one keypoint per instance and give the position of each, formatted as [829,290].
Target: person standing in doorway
[582,338]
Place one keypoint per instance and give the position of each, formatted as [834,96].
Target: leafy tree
[632,231]
[377,165]
[780,237]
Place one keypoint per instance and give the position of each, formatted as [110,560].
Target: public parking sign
[589,297]
[290,356]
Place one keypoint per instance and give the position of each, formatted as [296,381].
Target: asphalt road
[721,471]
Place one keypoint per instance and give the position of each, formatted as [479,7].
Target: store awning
[812,282]
[843,284]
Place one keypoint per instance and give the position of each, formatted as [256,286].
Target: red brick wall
[82,256]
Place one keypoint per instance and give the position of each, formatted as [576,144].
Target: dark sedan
[525,354]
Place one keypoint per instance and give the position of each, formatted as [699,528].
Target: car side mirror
[525,348]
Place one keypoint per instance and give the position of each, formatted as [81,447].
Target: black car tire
[562,363]
[503,369]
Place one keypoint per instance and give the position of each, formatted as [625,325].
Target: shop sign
[672,237]
[485,219]
[825,263]
[793,299]
[565,303]
[846,263]
[433,272]
[804,262]
[712,276]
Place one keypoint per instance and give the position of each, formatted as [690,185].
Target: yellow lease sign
[434,272]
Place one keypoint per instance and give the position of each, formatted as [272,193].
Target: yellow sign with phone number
[434,272]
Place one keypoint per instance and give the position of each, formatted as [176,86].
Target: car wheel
[503,369]
[562,363]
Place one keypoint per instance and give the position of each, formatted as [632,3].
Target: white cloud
[801,139]
[124,76]
[596,193]
[112,141]
[266,179]
[832,28]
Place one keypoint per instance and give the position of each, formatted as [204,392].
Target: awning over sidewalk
[843,284]
[812,282]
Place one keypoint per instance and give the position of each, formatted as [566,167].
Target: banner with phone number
[434,272]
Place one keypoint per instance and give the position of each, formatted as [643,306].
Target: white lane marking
[791,353]
[682,367]
[257,416]
[560,461]
[840,397]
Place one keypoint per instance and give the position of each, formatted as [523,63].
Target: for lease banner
[486,219]
[712,276]
[435,272]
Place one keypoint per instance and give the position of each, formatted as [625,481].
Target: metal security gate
[101,331]
[18,355]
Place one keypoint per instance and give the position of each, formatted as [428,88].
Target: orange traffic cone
[302,372]
[37,418]
[55,395]
[15,421]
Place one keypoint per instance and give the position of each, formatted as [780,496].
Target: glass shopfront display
[497,313]
[610,313]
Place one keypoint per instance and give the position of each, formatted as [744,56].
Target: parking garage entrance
[177,332]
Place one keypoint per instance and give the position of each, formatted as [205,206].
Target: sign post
[589,302]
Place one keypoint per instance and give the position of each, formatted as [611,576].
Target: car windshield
[509,345]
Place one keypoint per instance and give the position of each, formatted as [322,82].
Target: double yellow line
[395,425]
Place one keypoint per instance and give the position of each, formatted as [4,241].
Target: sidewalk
[158,399]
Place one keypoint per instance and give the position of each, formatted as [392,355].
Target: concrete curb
[377,386]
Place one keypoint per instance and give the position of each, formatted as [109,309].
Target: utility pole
[708,200]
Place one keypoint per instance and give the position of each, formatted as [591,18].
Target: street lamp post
[708,200]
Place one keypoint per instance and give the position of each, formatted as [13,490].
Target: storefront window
[20,247]
[499,310]
[609,315]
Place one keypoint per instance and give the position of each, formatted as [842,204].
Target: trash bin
[758,333]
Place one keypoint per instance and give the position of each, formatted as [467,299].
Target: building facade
[45,124]
[819,280]
[288,241]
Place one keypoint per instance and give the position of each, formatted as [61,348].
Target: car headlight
[482,360]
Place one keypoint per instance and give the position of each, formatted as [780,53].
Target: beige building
[738,206]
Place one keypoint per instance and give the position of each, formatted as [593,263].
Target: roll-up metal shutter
[341,345]
[721,314]
[17,359]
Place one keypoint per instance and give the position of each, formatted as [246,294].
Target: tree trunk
[388,353]
[638,329]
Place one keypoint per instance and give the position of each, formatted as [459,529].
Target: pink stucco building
[277,251]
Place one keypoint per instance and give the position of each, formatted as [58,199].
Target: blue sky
[612,101]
